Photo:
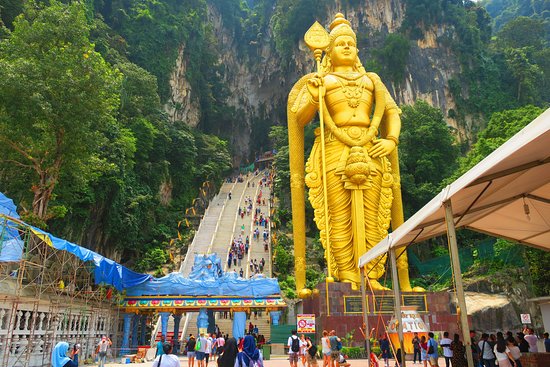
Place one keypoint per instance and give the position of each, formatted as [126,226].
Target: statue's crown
[340,26]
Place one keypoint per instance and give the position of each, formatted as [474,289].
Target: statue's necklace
[352,89]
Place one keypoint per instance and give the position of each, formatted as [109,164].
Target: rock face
[258,86]
[495,304]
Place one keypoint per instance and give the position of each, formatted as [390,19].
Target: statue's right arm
[303,104]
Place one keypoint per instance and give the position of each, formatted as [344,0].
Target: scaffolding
[47,296]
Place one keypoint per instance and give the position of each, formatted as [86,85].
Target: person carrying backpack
[335,347]
[293,349]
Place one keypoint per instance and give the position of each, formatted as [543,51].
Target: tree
[501,127]
[58,98]
[428,154]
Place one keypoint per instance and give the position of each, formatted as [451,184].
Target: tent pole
[397,300]
[455,262]
[365,317]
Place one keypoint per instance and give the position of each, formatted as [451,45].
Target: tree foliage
[428,153]
[55,90]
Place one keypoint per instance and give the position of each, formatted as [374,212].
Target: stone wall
[29,328]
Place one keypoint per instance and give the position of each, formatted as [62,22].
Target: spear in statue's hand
[317,39]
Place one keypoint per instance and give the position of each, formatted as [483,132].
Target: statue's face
[344,51]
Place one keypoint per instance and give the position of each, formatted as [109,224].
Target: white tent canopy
[505,195]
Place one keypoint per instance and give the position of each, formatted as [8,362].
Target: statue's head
[343,45]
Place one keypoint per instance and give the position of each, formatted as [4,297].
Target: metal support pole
[365,315]
[397,300]
[455,262]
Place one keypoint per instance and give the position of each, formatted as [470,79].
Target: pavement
[277,361]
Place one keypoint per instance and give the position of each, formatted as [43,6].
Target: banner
[305,323]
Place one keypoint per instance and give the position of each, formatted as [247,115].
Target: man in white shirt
[486,351]
[200,354]
[532,339]
[445,343]
[167,359]
[293,349]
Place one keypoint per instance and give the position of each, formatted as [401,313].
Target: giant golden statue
[352,172]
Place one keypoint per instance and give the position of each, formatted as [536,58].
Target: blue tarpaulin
[106,271]
[11,245]
[207,279]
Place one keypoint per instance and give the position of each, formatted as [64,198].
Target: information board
[305,323]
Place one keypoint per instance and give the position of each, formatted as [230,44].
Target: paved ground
[277,361]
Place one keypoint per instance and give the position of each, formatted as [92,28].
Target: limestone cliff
[258,82]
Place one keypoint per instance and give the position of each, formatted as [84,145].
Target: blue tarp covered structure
[207,279]
[106,270]
[11,244]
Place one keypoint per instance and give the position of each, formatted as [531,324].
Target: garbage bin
[266,351]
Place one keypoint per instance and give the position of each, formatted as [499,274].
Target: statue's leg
[375,222]
[341,232]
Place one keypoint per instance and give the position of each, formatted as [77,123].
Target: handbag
[430,348]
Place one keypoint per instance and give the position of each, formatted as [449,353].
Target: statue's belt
[351,132]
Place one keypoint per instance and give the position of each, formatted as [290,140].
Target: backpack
[430,347]
[240,363]
[339,345]
[312,350]
[198,344]
[295,346]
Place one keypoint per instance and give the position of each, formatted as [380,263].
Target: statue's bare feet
[376,286]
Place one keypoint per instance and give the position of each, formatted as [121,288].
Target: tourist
[335,346]
[458,359]
[445,343]
[293,344]
[311,353]
[59,356]
[160,346]
[385,349]
[303,350]
[229,353]
[166,359]
[250,355]
[424,350]
[416,348]
[546,343]
[102,348]
[342,361]
[532,339]
[208,350]
[486,351]
[325,348]
[476,356]
[522,343]
[76,349]
[200,350]
[502,354]
[255,330]
[514,350]
[433,354]
[190,346]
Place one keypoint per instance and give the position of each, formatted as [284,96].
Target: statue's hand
[381,148]
[313,85]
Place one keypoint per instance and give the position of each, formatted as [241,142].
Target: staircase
[220,224]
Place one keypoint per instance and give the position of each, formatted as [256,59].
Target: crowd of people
[489,350]
[240,246]
[228,351]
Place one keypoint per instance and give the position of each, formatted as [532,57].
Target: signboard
[353,304]
[525,318]
[305,323]
[386,304]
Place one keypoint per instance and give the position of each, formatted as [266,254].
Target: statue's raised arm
[352,172]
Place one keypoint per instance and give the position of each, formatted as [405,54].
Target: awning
[506,195]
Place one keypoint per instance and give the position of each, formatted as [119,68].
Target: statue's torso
[349,98]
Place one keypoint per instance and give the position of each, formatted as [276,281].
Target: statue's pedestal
[436,309]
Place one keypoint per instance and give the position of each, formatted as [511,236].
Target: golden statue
[353,171]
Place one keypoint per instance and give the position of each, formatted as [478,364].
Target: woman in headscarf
[250,356]
[59,356]
[230,351]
